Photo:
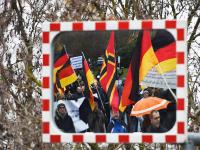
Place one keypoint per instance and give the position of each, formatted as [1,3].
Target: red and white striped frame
[178,134]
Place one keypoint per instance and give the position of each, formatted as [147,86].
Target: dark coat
[152,129]
[96,121]
[168,116]
[85,110]
[65,124]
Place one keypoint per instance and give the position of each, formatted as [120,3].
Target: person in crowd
[96,120]
[146,93]
[155,126]
[116,124]
[102,100]
[170,112]
[145,123]
[85,108]
[80,88]
[62,119]
[137,122]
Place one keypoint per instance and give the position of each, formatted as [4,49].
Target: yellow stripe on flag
[112,94]
[103,76]
[68,80]
[112,63]
[54,73]
[90,78]
[110,54]
[109,81]
[121,107]
[149,60]
[166,66]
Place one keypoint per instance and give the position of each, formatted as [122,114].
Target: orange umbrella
[146,105]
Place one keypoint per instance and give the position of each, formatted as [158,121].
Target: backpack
[118,127]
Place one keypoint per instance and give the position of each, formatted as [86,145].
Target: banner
[154,79]
[72,107]
[76,62]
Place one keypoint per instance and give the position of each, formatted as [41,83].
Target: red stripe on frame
[45,59]
[77,26]
[181,127]
[78,138]
[45,37]
[147,139]
[123,138]
[170,24]
[55,27]
[146,25]
[45,105]
[180,58]
[123,25]
[55,139]
[170,138]
[180,104]
[45,127]
[180,34]
[100,138]
[180,81]
[100,26]
[45,83]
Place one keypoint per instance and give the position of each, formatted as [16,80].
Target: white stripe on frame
[89,26]
[181,46]
[66,26]
[158,24]
[111,25]
[46,27]
[135,25]
[181,69]
[45,138]
[46,48]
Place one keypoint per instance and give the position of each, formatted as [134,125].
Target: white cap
[61,102]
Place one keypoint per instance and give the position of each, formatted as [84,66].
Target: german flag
[165,49]
[59,61]
[148,58]
[130,93]
[63,73]
[146,55]
[125,101]
[90,81]
[108,79]
[143,60]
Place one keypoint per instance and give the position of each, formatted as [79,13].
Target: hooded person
[62,119]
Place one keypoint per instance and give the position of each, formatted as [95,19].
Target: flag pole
[166,82]
[73,68]
[65,48]
[101,101]
[97,91]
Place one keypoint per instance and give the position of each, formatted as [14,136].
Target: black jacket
[152,129]
[65,124]
[96,121]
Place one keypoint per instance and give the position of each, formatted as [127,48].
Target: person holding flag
[96,118]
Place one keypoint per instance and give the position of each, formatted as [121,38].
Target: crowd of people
[104,120]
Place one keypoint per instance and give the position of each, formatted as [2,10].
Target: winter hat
[61,103]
